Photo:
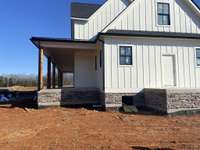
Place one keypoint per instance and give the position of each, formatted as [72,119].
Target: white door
[168,69]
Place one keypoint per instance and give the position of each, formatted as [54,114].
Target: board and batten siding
[146,71]
[84,70]
[141,15]
[100,19]
[86,75]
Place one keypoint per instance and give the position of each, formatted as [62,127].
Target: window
[198,56]
[125,55]
[163,12]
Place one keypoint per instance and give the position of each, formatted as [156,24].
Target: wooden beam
[40,69]
[49,73]
[54,75]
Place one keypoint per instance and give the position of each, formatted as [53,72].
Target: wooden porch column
[40,69]
[60,79]
[49,73]
[54,75]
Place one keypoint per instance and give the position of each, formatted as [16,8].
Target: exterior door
[168,70]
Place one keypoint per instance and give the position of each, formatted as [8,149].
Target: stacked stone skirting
[172,100]
[50,97]
[62,97]
[162,100]
[113,101]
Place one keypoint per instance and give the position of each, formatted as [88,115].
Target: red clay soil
[73,129]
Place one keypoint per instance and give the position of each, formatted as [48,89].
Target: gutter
[153,35]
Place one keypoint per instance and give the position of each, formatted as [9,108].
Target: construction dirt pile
[73,129]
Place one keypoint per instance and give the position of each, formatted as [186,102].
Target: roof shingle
[83,10]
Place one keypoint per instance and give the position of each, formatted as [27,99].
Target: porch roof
[40,41]
[62,51]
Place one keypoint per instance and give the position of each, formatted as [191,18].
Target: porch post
[54,75]
[60,78]
[40,69]
[49,73]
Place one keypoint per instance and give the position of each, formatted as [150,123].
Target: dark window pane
[128,51]
[165,9]
[160,8]
[123,51]
[128,61]
[165,20]
[198,61]
[198,53]
[160,19]
[125,55]
[122,60]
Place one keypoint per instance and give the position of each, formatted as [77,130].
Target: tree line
[31,80]
[18,80]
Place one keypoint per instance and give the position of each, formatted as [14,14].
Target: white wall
[84,71]
[99,20]
[142,15]
[146,71]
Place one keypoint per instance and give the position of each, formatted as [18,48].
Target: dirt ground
[63,128]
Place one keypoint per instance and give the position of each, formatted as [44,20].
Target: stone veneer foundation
[172,100]
[113,101]
[68,96]
[49,97]
[162,100]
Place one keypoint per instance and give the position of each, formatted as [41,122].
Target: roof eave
[168,35]
[38,40]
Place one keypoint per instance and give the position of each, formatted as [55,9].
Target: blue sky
[21,19]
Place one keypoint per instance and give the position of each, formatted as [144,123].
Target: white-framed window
[198,56]
[163,13]
[125,55]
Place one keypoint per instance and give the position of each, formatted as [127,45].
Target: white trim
[193,5]
[80,19]
[123,90]
[175,71]
[118,55]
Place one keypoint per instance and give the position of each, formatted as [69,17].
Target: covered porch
[78,58]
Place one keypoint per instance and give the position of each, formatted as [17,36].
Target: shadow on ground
[146,148]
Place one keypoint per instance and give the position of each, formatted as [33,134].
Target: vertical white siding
[99,20]
[84,71]
[142,15]
[146,71]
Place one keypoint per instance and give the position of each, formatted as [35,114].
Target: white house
[122,47]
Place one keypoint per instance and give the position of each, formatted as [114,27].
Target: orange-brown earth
[62,128]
